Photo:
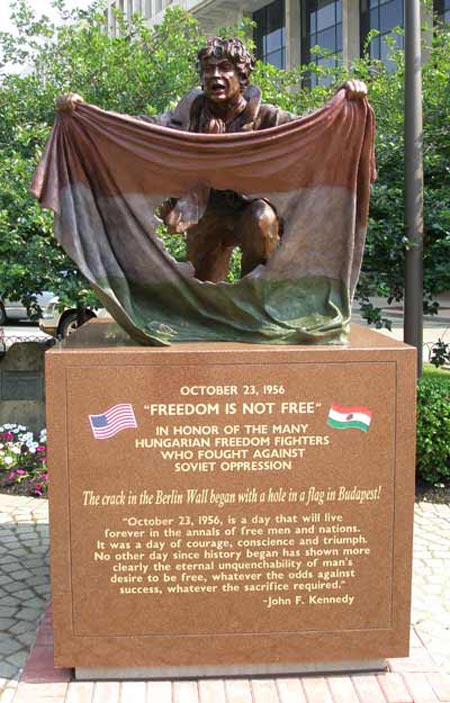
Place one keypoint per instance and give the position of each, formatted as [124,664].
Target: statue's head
[224,66]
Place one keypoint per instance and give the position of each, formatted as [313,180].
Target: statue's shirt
[193,115]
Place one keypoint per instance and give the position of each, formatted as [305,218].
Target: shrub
[23,460]
[433,426]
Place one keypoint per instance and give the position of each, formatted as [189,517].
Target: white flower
[15,449]
[8,460]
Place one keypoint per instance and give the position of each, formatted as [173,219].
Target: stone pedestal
[229,508]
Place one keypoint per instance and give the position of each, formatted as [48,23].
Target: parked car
[62,323]
[15,310]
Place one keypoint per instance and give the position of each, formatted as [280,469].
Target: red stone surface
[107,618]
[42,683]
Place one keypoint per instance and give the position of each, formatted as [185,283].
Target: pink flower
[44,477]
[20,472]
[41,448]
[11,475]
[7,436]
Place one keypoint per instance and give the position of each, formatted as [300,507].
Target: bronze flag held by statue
[229,171]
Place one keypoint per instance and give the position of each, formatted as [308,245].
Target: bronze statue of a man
[225,103]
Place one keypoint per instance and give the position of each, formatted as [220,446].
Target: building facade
[288,30]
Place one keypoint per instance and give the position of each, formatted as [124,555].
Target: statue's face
[220,80]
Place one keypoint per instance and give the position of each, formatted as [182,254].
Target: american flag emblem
[112,421]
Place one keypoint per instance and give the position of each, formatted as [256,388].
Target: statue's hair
[231,49]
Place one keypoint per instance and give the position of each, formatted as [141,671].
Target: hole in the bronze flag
[234,272]
[222,262]
[174,243]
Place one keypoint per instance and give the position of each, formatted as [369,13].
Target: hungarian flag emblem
[349,418]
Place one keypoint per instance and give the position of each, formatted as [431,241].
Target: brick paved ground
[24,593]
[24,583]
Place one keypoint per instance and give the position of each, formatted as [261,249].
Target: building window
[442,8]
[384,16]
[322,26]
[270,34]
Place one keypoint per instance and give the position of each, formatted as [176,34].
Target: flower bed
[23,461]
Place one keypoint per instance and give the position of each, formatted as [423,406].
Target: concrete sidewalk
[434,326]
[24,583]
[24,591]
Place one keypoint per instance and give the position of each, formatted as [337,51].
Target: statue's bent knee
[258,234]
[261,227]
[264,214]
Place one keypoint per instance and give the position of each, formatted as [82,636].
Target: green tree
[384,261]
[140,72]
[147,71]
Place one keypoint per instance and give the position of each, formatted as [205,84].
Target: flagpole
[413,321]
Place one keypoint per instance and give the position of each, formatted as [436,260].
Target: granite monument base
[229,508]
